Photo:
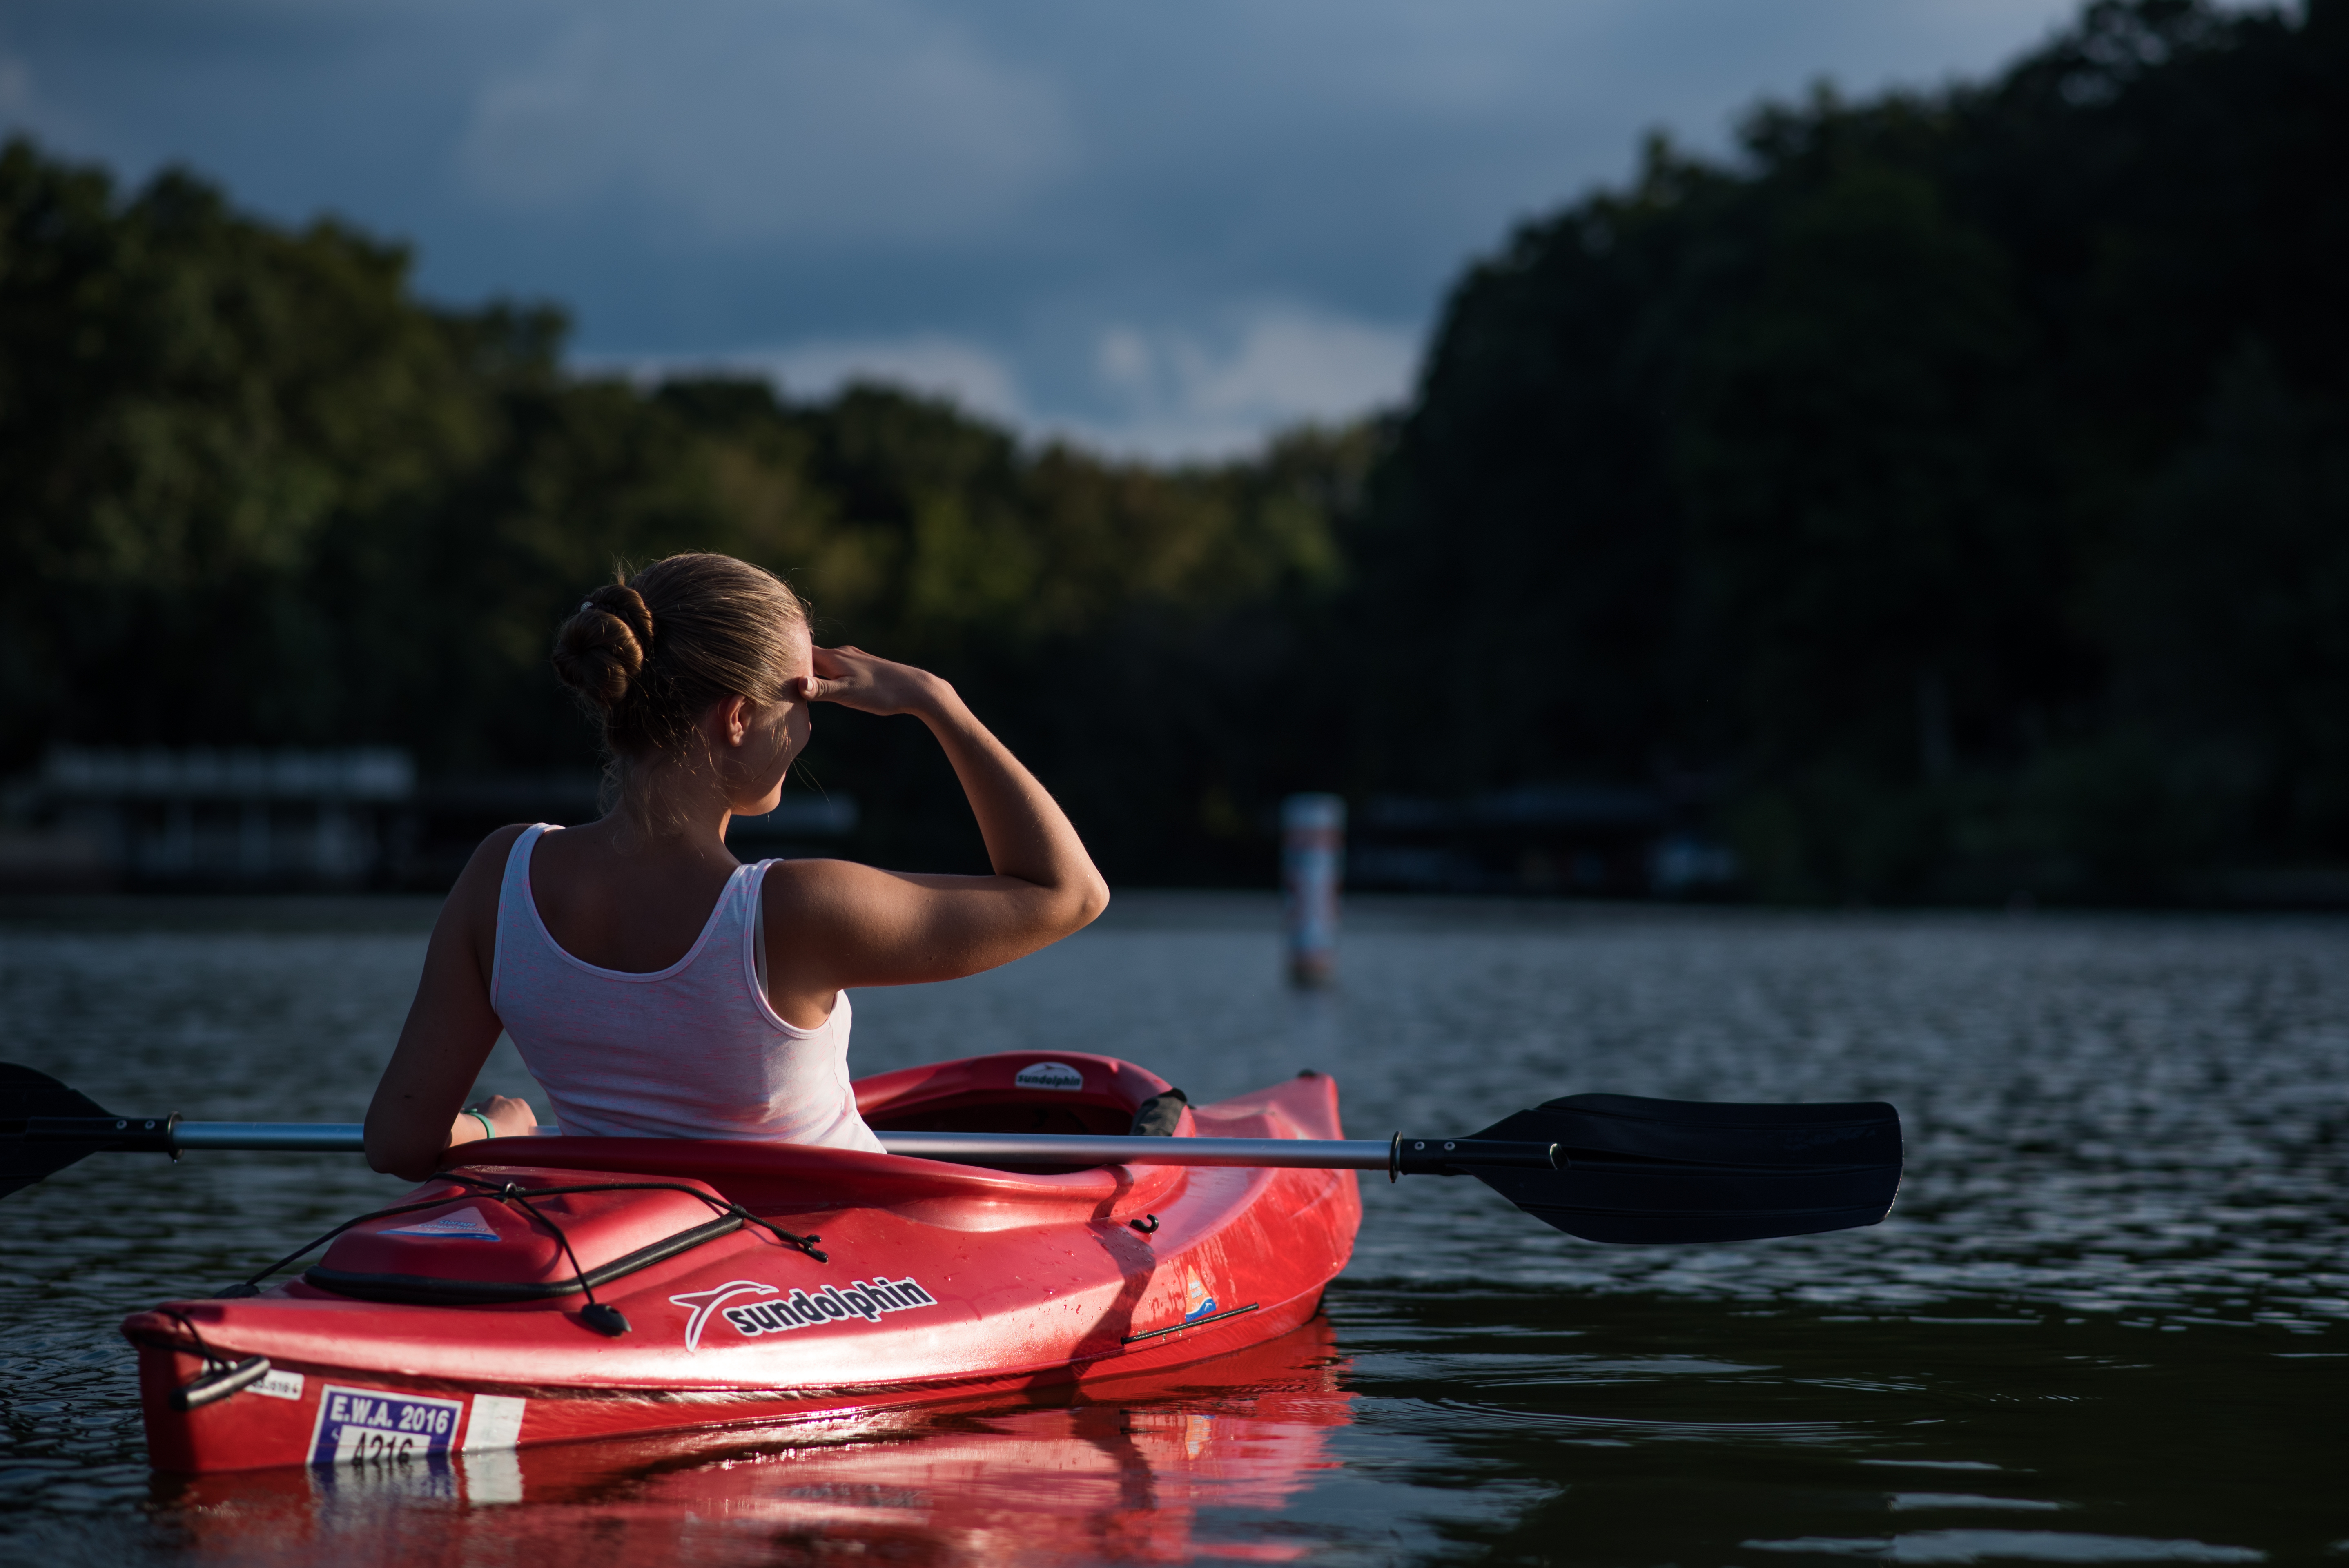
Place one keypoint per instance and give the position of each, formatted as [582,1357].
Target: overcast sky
[1165,229]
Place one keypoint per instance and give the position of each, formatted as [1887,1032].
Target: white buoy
[1312,865]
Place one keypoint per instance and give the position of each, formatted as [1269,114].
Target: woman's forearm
[500,1116]
[505,1118]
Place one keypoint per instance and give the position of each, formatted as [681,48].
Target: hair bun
[602,648]
[727,628]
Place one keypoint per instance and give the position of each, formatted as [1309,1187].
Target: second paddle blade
[1650,1171]
[27,1093]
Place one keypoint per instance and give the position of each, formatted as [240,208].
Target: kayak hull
[1202,1462]
[938,1283]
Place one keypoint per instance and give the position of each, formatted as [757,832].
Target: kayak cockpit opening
[1068,1092]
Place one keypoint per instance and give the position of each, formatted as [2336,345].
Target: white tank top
[694,1050]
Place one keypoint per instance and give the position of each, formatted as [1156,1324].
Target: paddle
[1604,1167]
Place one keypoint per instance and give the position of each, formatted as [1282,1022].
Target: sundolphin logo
[701,1304]
[1049,1074]
[830,1304]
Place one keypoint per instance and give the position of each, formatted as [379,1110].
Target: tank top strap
[515,922]
[754,937]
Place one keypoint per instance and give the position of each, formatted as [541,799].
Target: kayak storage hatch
[587,1287]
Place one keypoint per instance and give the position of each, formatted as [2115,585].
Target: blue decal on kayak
[465,1226]
[1198,1300]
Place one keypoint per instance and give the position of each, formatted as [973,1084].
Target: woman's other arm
[413,1119]
[834,924]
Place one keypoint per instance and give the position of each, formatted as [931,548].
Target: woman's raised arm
[834,924]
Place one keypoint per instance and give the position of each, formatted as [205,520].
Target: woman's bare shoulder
[474,901]
[491,853]
[823,904]
[501,840]
[792,883]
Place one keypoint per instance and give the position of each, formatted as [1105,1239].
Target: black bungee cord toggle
[600,1315]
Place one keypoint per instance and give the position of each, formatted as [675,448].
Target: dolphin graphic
[701,1304]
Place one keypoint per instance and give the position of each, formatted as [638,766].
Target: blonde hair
[648,653]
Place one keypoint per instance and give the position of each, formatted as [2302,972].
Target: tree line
[1943,495]
[255,491]
[1952,489]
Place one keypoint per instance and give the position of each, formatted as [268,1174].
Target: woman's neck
[670,812]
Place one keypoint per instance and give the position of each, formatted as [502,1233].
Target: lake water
[2109,1321]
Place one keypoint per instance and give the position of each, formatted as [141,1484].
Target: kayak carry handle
[219,1382]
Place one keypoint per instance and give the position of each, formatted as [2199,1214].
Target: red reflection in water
[1193,1465]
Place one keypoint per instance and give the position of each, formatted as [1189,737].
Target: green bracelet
[487,1131]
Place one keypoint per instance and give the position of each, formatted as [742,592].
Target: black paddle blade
[23,1093]
[1644,1170]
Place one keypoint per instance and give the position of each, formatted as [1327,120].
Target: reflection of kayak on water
[1186,1465]
[740,1283]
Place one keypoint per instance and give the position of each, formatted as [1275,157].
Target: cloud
[953,368]
[1170,393]
[16,90]
[26,108]
[960,370]
[1169,229]
[823,120]
[1184,393]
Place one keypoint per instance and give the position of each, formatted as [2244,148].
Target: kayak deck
[457,1326]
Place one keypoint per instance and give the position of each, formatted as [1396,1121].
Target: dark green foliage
[1950,496]
[190,405]
[1955,484]
[255,493]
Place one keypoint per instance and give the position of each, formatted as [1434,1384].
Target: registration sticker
[369,1424]
[280,1384]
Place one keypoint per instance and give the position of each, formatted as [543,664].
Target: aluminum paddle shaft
[170,1135]
[289,1135]
[1397,1156]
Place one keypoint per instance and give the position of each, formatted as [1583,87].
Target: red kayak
[616,1286]
[1201,1462]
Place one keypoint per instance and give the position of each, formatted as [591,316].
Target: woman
[655,985]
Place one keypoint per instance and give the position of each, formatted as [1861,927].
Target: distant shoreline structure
[215,819]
